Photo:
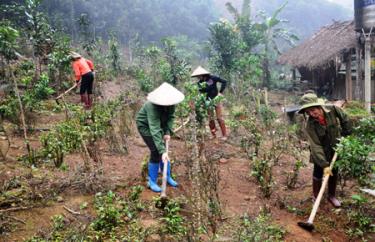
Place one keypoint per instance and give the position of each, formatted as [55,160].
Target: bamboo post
[368,71]
[22,112]
[357,89]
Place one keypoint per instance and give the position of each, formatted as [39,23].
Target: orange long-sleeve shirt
[82,66]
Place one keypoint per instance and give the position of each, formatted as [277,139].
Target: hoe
[309,226]
[163,195]
[66,92]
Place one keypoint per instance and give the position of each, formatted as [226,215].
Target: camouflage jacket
[323,139]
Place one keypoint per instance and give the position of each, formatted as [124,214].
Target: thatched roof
[325,45]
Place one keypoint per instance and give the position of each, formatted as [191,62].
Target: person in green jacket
[155,123]
[323,127]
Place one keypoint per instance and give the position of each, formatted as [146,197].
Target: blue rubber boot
[153,169]
[170,180]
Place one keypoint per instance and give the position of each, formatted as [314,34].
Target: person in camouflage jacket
[323,127]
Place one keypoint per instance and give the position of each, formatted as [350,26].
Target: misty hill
[155,19]
[305,17]
[151,19]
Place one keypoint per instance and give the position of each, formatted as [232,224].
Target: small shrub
[267,115]
[360,221]
[251,139]
[292,177]
[259,229]
[173,222]
[132,205]
[365,130]
[262,171]
[144,81]
[353,159]
[58,222]
[136,232]
[109,213]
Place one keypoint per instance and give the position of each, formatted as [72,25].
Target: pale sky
[344,3]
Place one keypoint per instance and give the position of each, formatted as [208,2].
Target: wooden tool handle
[321,192]
[165,167]
[67,91]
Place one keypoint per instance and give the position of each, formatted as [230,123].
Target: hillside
[304,17]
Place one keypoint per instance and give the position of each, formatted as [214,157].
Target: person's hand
[167,137]
[165,157]
[328,171]
[220,94]
[78,82]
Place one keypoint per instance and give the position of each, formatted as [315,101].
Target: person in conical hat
[155,125]
[84,76]
[208,85]
[322,129]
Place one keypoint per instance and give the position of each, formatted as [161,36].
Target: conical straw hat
[165,95]
[199,72]
[74,55]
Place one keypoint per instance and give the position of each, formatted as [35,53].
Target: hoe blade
[306,226]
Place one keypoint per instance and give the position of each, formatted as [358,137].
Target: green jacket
[323,139]
[156,121]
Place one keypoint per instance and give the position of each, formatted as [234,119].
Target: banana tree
[272,34]
[248,29]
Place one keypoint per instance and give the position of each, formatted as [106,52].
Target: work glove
[327,171]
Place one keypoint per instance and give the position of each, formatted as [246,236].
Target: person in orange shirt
[84,75]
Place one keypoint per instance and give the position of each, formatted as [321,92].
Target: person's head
[165,95]
[311,105]
[314,112]
[200,73]
[74,55]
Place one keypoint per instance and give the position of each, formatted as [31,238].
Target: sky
[344,3]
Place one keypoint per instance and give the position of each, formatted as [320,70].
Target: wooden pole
[266,96]
[357,88]
[22,113]
[348,79]
[368,73]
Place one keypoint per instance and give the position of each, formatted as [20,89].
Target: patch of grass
[356,109]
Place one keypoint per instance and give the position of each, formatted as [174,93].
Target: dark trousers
[318,172]
[87,83]
[155,156]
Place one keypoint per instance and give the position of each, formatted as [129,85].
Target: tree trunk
[195,174]
[22,113]
[266,72]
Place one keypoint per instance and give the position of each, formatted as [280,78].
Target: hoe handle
[67,91]
[321,192]
[165,167]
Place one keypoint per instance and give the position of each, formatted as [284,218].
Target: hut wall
[306,74]
[339,88]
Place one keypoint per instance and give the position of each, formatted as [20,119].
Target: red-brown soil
[239,192]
